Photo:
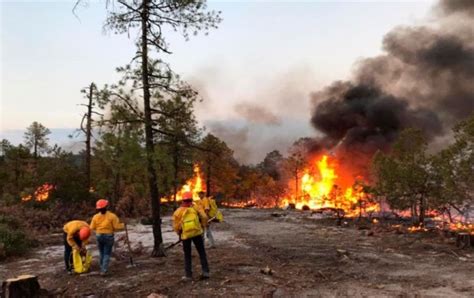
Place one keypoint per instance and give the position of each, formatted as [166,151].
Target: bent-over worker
[76,236]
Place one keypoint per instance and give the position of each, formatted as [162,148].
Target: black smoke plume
[425,79]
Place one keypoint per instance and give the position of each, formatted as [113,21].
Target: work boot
[103,273]
[204,275]
[186,278]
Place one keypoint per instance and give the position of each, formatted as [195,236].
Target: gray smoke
[255,113]
[425,79]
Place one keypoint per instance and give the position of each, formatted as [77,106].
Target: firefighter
[189,221]
[76,236]
[105,224]
[205,204]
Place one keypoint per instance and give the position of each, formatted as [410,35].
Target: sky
[271,54]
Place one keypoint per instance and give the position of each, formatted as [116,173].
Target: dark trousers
[68,250]
[199,244]
[105,242]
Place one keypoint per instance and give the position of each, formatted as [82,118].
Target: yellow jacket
[178,217]
[72,228]
[205,204]
[106,223]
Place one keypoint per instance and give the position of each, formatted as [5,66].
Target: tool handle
[173,244]
[128,244]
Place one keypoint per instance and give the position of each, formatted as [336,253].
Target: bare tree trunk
[414,214]
[421,219]
[117,176]
[35,148]
[175,178]
[88,137]
[449,215]
[158,248]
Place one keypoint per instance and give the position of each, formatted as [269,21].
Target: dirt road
[306,257]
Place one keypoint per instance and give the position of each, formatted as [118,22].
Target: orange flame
[328,188]
[414,229]
[41,194]
[194,185]
[242,204]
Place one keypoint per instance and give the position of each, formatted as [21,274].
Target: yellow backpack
[214,211]
[81,264]
[191,226]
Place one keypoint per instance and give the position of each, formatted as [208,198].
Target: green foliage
[218,164]
[186,17]
[410,179]
[13,241]
[178,134]
[271,164]
[16,168]
[453,168]
[119,167]
[403,177]
[36,138]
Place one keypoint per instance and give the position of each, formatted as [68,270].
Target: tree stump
[21,286]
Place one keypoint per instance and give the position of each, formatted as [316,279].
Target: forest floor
[307,256]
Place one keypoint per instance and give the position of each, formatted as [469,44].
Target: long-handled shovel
[129,247]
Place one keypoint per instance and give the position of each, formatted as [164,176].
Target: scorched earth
[273,254]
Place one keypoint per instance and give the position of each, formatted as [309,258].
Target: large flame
[326,186]
[194,185]
[41,194]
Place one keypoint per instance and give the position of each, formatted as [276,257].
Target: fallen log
[21,286]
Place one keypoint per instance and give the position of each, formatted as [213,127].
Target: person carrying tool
[188,222]
[76,236]
[105,224]
[208,204]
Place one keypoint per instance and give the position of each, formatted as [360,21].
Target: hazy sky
[271,53]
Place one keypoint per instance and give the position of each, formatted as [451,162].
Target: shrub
[13,241]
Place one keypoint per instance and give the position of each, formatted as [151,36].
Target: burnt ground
[306,257]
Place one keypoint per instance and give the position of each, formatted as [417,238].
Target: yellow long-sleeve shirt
[71,228]
[106,223]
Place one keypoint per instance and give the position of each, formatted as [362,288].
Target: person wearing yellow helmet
[105,224]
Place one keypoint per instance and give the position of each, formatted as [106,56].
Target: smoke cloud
[257,114]
[424,79]
[235,137]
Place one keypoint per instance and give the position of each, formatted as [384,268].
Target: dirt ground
[307,256]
